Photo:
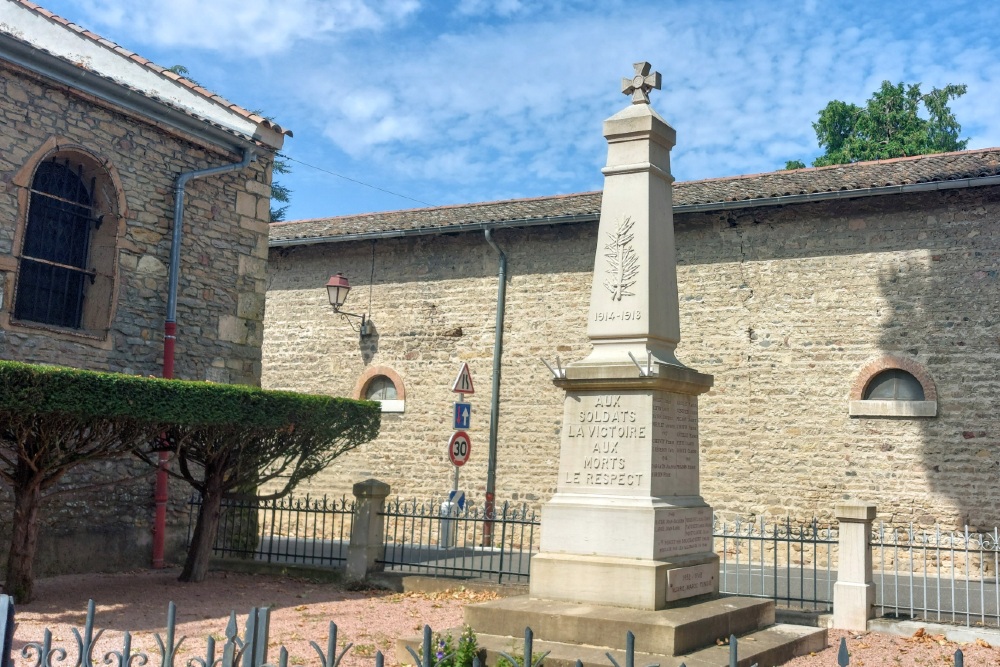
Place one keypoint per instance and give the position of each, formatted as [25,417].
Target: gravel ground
[302,610]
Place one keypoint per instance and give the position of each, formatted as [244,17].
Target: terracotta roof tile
[754,188]
[108,44]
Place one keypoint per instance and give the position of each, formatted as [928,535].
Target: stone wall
[221,293]
[784,306]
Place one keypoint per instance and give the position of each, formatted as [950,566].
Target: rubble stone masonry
[222,277]
[785,306]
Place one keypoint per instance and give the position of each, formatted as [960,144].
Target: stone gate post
[854,592]
[367,533]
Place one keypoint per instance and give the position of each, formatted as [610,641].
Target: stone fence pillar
[854,592]
[367,532]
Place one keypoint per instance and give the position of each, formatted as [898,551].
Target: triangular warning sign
[463,383]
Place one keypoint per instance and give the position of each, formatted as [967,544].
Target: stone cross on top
[640,84]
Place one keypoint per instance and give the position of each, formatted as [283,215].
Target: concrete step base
[675,631]
[769,647]
[695,635]
[765,648]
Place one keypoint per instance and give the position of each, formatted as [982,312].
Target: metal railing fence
[305,531]
[424,537]
[251,649]
[931,575]
[788,563]
[937,575]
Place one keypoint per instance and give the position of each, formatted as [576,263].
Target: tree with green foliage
[55,419]
[279,192]
[274,439]
[52,420]
[888,126]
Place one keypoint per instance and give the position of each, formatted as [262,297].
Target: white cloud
[487,7]
[244,27]
[501,98]
[515,107]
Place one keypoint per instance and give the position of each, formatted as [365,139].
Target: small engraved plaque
[685,582]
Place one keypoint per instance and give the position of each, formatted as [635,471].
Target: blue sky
[479,100]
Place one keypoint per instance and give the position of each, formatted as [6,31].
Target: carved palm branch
[623,262]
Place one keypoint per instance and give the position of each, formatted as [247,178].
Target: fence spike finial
[6,629]
[168,649]
[959,658]
[843,657]
[733,650]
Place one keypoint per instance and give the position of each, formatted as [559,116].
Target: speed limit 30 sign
[459,448]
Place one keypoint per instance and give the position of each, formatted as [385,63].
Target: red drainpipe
[160,493]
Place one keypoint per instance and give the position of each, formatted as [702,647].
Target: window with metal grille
[53,274]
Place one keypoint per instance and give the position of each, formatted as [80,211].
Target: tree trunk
[20,580]
[205,531]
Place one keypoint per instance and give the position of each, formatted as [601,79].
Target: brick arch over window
[859,407]
[374,372]
[86,250]
[888,362]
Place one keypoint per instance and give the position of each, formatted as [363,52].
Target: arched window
[68,243]
[380,388]
[382,384]
[893,386]
[56,250]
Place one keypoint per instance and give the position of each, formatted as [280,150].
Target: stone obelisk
[627,526]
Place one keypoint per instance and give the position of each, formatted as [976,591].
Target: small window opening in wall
[383,388]
[894,385]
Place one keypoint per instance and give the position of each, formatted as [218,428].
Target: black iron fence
[932,575]
[304,531]
[437,538]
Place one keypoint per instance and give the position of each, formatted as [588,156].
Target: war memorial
[626,541]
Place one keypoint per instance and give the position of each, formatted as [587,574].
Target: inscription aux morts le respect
[604,426]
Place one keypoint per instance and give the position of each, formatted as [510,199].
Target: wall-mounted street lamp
[337,288]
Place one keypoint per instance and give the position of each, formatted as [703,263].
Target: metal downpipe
[160,494]
[491,467]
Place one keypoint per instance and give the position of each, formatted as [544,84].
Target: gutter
[66,73]
[491,466]
[960,183]
[160,492]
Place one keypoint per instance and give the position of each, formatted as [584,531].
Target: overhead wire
[283,156]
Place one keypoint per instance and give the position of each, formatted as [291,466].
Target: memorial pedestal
[627,526]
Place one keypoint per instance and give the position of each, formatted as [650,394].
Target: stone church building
[849,314]
[93,142]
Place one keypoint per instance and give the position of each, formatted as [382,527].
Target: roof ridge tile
[941,167]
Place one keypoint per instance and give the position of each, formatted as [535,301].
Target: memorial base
[694,634]
[624,582]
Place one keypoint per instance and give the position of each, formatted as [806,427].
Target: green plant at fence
[447,653]
[504,661]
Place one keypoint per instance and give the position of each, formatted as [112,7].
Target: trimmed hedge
[90,394]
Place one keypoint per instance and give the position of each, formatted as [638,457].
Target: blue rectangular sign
[462,413]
